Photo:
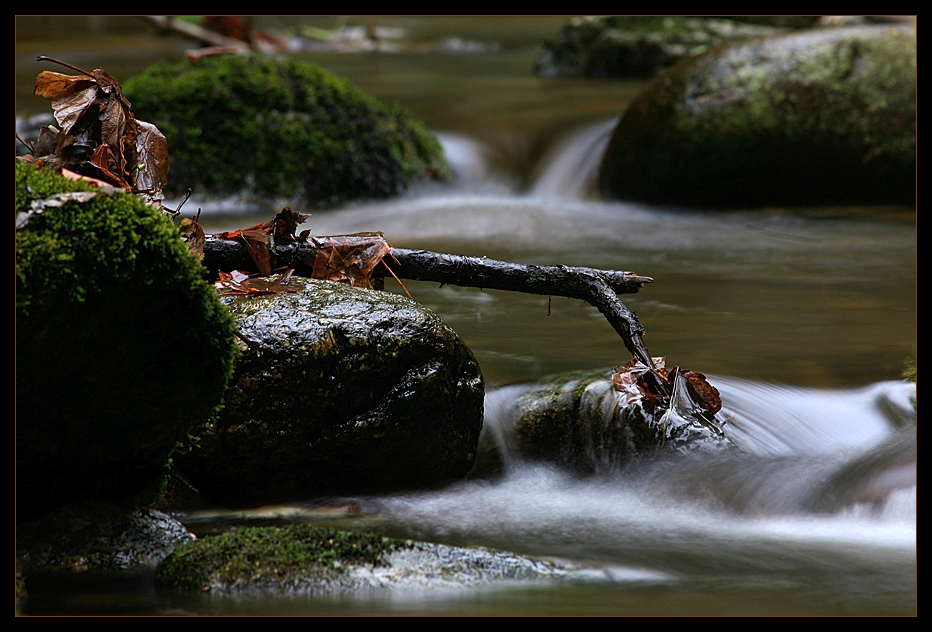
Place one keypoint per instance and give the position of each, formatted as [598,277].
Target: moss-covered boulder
[635,45]
[340,390]
[816,117]
[279,127]
[121,345]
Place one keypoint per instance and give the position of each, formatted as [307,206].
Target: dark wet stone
[343,390]
[98,538]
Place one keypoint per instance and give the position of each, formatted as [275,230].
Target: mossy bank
[278,127]
[121,343]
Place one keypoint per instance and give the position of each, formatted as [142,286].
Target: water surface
[803,318]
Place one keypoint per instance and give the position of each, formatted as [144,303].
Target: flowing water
[802,318]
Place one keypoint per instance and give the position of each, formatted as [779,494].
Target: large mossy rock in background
[277,127]
[817,117]
[121,345]
[635,45]
[341,390]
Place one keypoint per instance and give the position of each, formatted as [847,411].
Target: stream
[802,318]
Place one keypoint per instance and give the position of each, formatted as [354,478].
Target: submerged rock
[341,390]
[584,423]
[815,117]
[279,127]
[307,559]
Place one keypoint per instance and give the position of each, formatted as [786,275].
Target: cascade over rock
[581,422]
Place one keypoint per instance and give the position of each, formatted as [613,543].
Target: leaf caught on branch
[193,234]
[257,240]
[286,223]
[260,238]
[687,391]
[70,96]
[349,258]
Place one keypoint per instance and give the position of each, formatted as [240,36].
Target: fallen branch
[171,24]
[597,287]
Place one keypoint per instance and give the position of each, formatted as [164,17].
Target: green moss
[116,321]
[33,184]
[281,127]
[286,556]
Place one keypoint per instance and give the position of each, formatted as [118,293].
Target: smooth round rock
[339,390]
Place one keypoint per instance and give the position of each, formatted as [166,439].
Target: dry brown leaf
[238,283]
[193,234]
[349,258]
[70,96]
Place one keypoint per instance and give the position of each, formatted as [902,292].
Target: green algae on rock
[341,390]
[121,344]
[307,559]
[279,127]
[271,557]
[815,117]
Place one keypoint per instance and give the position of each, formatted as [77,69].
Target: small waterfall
[771,419]
[573,166]
[568,170]
[801,450]
[465,156]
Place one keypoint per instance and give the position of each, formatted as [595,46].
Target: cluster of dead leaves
[347,259]
[238,283]
[632,382]
[99,139]
[350,258]
[261,238]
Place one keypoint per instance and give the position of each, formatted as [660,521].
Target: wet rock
[306,559]
[581,422]
[815,117]
[341,390]
[97,539]
[266,127]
